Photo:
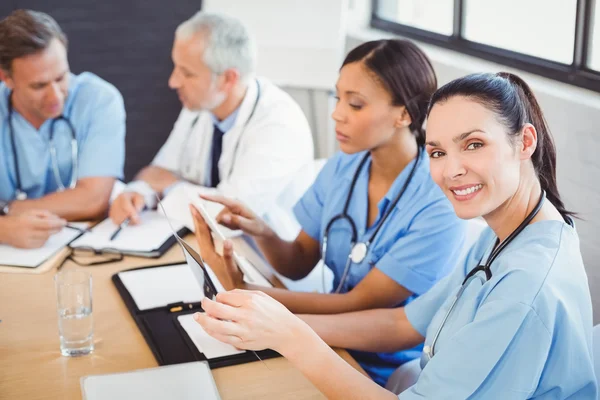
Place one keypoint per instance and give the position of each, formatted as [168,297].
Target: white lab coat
[260,155]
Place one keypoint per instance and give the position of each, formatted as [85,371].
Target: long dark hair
[514,104]
[404,71]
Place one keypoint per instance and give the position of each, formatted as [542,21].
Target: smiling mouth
[468,191]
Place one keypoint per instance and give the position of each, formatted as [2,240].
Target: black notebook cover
[167,339]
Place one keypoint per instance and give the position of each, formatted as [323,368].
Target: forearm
[79,203]
[158,178]
[4,230]
[333,376]
[383,330]
[313,303]
[288,258]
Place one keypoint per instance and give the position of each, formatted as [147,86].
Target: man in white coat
[237,133]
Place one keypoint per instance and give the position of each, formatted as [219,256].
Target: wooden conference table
[31,366]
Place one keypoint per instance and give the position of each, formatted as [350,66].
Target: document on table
[144,239]
[188,381]
[206,344]
[158,286]
[32,258]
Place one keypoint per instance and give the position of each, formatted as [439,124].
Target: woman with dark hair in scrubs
[514,321]
[374,215]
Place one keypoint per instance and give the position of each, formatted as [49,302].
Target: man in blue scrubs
[42,181]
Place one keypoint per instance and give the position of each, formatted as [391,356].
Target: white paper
[177,202]
[206,344]
[152,231]
[189,381]
[32,258]
[159,286]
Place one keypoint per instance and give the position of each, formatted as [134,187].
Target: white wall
[572,113]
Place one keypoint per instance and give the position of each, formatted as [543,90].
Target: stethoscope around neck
[359,250]
[20,193]
[429,351]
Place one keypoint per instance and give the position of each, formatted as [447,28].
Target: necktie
[217,147]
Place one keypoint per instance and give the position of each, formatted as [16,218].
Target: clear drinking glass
[74,304]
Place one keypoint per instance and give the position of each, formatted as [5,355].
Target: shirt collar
[74,83]
[227,123]
[4,92]
[422,166]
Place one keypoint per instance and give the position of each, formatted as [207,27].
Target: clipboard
[169,342]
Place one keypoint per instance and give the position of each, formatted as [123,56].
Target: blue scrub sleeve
[421,310]
[428,251]
[503,351]
[102,152]
[309,209]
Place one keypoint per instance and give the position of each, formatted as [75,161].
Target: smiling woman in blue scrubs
[407,236]
[514,321]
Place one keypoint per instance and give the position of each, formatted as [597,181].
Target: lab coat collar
[227,123]
[247,105]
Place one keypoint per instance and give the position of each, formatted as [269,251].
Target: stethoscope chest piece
[358,252]
[20,195]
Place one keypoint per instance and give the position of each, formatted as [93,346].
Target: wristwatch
[4,207]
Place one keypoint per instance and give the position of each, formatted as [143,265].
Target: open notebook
[53,252]
[188,381]
[150,238]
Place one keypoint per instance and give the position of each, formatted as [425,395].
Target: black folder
[167,339]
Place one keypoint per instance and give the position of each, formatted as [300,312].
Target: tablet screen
[194,261]
[196,264]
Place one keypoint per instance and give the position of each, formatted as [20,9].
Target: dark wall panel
[128,43]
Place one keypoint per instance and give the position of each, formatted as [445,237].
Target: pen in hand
[124,224]
[121,226]
[81,230]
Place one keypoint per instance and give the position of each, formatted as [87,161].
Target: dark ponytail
[514,103]
[405,72]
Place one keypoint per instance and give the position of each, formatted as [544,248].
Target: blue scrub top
[96,110]
[526,333]
[418,244]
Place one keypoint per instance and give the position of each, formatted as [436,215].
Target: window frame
[577,73]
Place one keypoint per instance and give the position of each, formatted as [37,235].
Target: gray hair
[229,44]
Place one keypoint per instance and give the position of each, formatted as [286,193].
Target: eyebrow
[455,139]
[186,71]
[44,83]
[351,92]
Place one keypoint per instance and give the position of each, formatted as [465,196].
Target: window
[418,13]
[521,26]
[595,41]
[554,38]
